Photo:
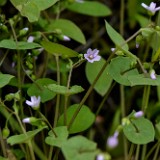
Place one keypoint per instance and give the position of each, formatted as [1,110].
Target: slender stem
[49,125]
[145,100]
[132,148]
[156,153]
[38,152]
[4,151]
[151,151]
[89,91]
[137,152]
[58,95]
[122,17]
[29,141]
[104,99]
[144,149]
[66,96]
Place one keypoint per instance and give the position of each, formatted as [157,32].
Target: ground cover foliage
[79,80]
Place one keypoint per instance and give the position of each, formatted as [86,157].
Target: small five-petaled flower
[92,55]
[152,7]
[35,102]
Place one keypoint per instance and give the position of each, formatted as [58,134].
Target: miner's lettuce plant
[67,79]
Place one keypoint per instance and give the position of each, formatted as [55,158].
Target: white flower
[112,141]
[92,56]
[66,38]
[30,39]
[26,29]
[34,103]
[26,120]
[152,74]
[152,7]
[100,157]
[138,114]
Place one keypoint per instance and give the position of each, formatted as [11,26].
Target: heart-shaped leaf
[83,121]
[62,135]
[78,148]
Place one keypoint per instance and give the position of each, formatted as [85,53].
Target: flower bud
[23,31]
[5,132]
[138,114]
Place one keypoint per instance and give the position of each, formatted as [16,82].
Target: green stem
[122,99]
[122,17]
[137,152]
[47,122]
[29,141]
[144,149]
[145,99]
[4,150]
[89,91]
[132,148]
[151,151]
[38,152]
[104,99]
[156,153]
[66,96]
[58,95]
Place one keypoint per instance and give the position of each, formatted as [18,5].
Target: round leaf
[38,89]
[83,121]
[120,69]
[104,81]
[140,131]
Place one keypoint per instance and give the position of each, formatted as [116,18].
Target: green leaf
[58,49]
[140,131]
[120,69]
[69,29]
[79,148]
[2,158]
[83,121]
[23,138]
[5,79]
[38,89]
[62,135]
[104,81]
[115,36]
[141,79]
[10,44]
[63,89]
[90,8]
[31,8]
